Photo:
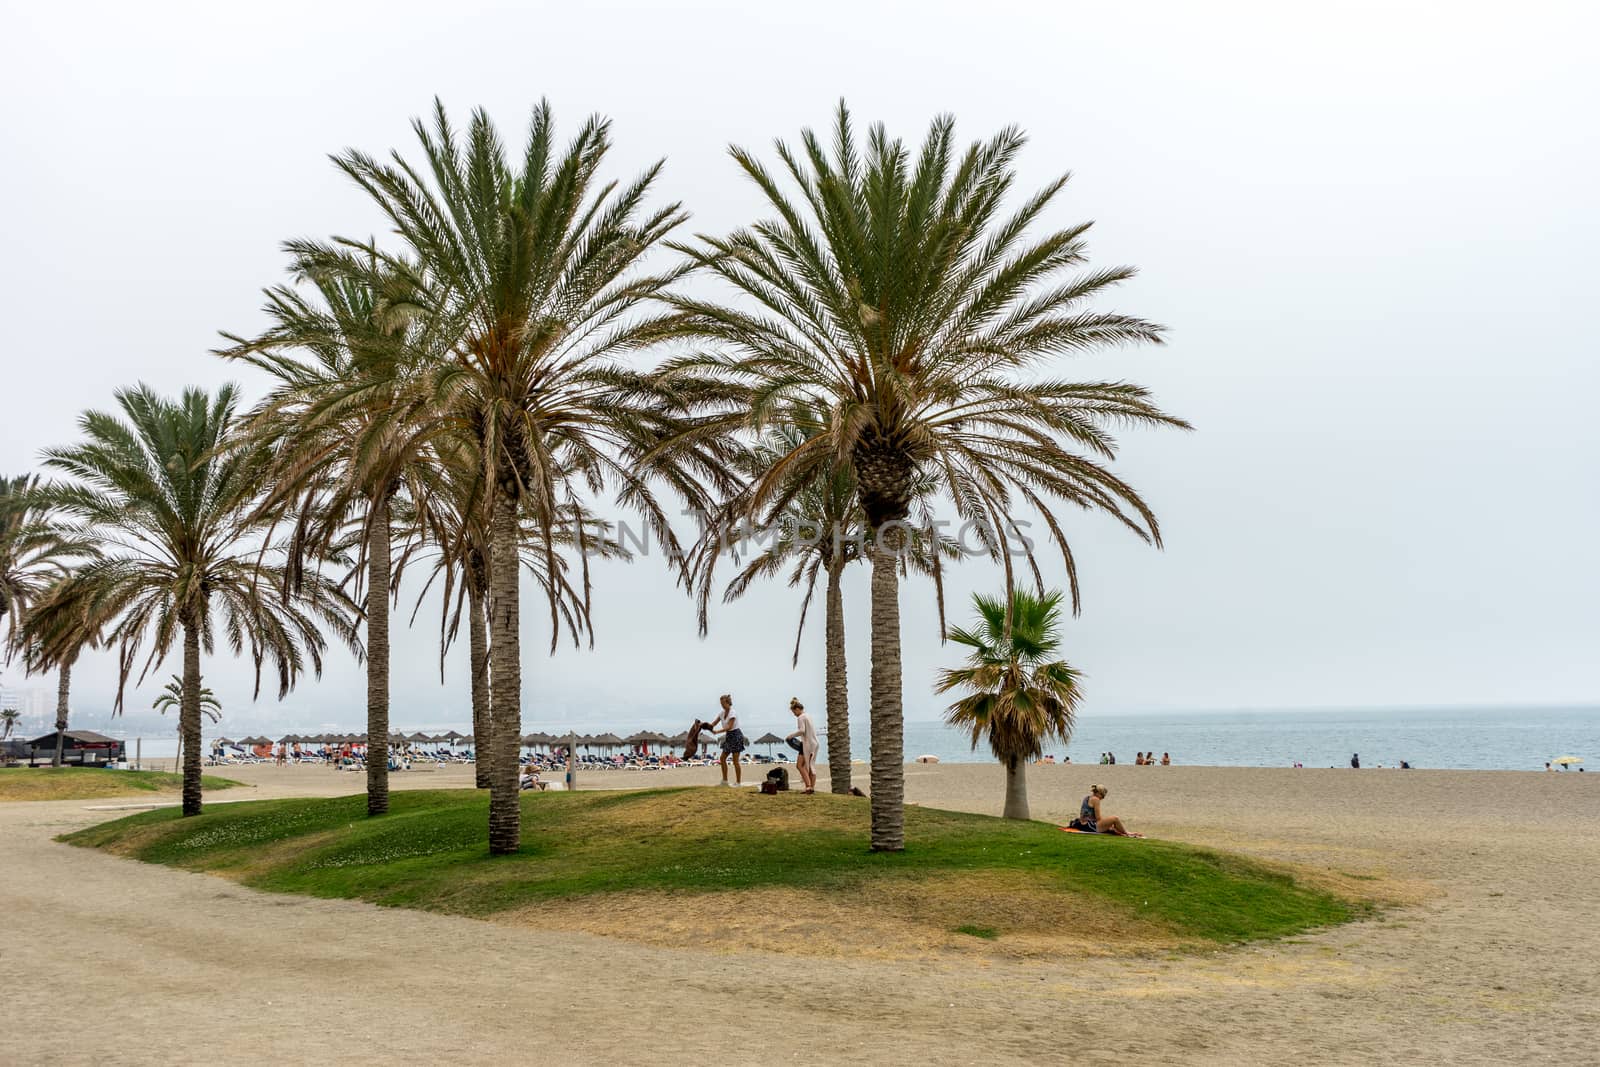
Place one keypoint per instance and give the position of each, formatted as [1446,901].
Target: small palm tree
[1018,697]
[58,627]
[894,291]
[171,696]
[174,501]
[8,722]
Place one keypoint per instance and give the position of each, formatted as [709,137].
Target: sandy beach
[1495,961]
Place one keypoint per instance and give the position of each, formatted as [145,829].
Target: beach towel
[691,747]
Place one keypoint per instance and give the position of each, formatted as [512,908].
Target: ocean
[1509,738]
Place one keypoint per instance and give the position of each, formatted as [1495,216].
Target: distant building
[80,747]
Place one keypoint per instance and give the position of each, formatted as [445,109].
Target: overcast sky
[1370,229]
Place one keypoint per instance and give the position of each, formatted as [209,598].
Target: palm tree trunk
[63,690]
[887,713]
[378,573]
[1016,789]
[837,688]
[189,717]
[482,731]
[505,665]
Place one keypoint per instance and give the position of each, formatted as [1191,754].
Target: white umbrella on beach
[1566,761]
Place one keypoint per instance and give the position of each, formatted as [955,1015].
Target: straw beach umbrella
[769,740]
[1567,761]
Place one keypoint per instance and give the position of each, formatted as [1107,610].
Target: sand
[1497,962]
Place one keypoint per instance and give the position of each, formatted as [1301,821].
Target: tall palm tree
[451,522]
[341,354]
[1017,696]
[36,551]
[528,270]
[175,506]
[816,530]
[895,291]
[8,722]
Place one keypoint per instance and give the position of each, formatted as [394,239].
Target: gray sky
[1370,229]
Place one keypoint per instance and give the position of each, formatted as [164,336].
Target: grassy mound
[791,872]
[87,783]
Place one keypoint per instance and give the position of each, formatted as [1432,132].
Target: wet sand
[1497,962]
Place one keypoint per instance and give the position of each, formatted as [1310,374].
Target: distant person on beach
[1548,767]
[1111,758]
[806,760]
[1355,761]
[733,740]
[1166,759]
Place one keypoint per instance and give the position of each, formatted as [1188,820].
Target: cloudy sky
[1370,229]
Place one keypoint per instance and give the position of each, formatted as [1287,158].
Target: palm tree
[817,530]
[175,504]
[894,292]
[347,451]
[527,274]
[171,696]
[36,551]
[1017,696]
[451,521]
[8,722]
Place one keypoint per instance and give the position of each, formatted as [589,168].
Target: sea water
[1454,738]
[1458,738]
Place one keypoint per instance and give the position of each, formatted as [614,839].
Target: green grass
[429,852]
[87,783]
[988,933]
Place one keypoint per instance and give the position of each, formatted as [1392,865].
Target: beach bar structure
[81,748]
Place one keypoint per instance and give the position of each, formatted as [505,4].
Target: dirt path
[147,964]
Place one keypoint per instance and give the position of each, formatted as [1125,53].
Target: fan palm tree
[175,506]
[894,290]
[1017,696]
[528,273]
[8,722]
[341,354]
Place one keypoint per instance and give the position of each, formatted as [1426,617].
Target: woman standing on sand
[733,740]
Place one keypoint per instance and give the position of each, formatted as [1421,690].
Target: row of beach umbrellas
[451,737]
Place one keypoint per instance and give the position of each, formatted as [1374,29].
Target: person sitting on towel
[1091,819]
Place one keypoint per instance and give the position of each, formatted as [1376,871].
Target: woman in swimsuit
[1091,819]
